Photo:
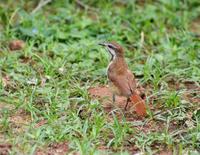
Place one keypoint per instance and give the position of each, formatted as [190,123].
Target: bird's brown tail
[139,104]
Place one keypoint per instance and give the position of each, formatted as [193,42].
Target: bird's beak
[102,44]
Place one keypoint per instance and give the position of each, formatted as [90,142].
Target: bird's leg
[113,101]
[127,101]
[113,98]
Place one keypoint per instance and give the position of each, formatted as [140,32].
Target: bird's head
[114,49]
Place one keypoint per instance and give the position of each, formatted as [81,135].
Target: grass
[49,78]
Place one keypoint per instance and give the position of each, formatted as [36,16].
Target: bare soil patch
[105,96]
[19,121]
[4,148]
[16,45]
[192,92]
[54,149]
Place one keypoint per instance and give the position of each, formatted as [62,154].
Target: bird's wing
[124,82]
[131,81]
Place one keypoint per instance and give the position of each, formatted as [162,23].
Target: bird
[121,80]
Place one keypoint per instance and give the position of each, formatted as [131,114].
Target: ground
[54,97]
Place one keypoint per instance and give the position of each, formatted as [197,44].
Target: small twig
[41,4]
[86,7]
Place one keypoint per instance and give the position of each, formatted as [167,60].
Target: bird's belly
[114,89]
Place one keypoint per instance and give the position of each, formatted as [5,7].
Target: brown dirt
[105,96]
[192,93]
[16,45]
[191,85]
[27,60]
[19,121]
[8,83]
[5,146]
[54,149]
[4,149]
[167,152]
[6,106]
[173,85]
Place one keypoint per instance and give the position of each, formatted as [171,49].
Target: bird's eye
[110,46]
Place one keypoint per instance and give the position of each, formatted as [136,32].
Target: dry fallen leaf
[16,45]
[5,148]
